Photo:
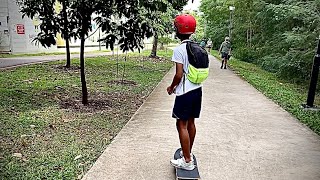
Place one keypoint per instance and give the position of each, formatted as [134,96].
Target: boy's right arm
[178,59]
[176,79]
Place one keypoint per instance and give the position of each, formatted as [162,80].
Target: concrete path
[20,61]
[241,135]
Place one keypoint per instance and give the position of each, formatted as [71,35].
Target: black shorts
[188,105]
[225,55]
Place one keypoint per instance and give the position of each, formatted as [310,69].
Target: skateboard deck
[184,174]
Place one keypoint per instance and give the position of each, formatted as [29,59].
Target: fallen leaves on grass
[77,157]
[18,155]
[63,68]
[122,82]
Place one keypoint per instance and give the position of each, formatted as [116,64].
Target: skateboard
[184,174]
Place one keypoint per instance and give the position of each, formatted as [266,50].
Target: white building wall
[4,30]
[22,43]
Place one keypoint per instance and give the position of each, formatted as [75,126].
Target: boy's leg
[192,131]
[182,127]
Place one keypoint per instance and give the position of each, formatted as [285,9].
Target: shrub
[296,66]
[245,54]
[271,63]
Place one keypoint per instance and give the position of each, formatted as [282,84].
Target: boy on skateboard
[187,105]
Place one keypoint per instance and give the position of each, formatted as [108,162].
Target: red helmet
[185,24]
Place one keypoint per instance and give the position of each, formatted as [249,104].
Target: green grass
[42,117]
[289,96]
[45,54]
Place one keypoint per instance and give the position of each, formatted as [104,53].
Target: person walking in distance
[186,84]
[225,51]
[209,46]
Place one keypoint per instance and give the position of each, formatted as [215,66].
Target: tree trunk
[66,33]
[247,37]
[162,46]
[154,46]
[251,30]
[124,67]
[83,77]
[68,53]
[118,60]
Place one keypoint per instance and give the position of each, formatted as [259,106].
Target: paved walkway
[241,135]
[20,61]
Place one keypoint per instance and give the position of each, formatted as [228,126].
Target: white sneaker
[191,155]
[182,164]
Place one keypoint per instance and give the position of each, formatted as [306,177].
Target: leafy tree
[67,29]
[216,17]
[52,21]
[129,32]
[201,27]
[161,23]
[279,35]
[164,40]
[45,10]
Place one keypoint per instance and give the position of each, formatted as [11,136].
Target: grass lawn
[289,96]
[45,54]
[46,133]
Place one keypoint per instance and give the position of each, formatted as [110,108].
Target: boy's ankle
[188,160]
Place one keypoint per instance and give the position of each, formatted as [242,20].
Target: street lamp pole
[314,77]
[231,8]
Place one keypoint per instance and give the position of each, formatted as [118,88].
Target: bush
[271,63]
[245,54]
[296,66]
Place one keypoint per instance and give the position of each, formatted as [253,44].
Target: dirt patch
[100,102]
[93,105]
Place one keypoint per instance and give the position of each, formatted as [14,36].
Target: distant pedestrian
[225,51]
[203,43]
[209,45]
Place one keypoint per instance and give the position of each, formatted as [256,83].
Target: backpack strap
[187,41]
[184,73]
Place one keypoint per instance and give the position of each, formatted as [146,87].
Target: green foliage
[271,63]
[161,23]
[278,35]
[216,18]
[165,40]
[199,35]
[246,54]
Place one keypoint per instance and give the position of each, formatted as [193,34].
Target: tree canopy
[279,35]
